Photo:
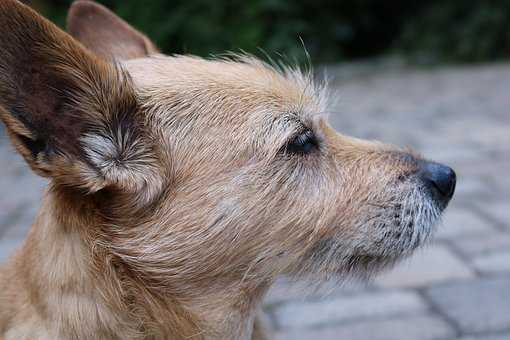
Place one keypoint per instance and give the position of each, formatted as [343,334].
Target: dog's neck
[73,282]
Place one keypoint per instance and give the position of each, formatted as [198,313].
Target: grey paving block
[476,306]
[306,314]
[502,336]
[470,187]
[20,224]
[17,231]
[403,328]
[7,248]
[461,222]
[500,211]
[496,262]
[428,266]
[23,190]
[482,244]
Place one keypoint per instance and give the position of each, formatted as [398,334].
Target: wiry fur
[174,203]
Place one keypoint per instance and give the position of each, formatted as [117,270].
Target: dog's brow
[284,126]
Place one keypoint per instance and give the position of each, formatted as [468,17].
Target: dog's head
[205,171]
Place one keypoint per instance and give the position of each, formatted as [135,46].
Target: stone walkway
[458,287]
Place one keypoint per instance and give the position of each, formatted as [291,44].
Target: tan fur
[174,202]
[108,35]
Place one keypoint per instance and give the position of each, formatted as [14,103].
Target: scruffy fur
[174,201]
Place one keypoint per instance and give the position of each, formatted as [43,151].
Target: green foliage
[331,30]
[459,30]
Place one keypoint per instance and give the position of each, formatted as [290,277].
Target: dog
[181,187]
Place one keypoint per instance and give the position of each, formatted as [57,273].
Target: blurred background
[433,75]
[424,31]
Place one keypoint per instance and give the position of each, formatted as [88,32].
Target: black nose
[440,179]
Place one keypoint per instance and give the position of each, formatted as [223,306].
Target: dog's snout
[439,178]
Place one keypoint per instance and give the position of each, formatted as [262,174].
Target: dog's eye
[303,143]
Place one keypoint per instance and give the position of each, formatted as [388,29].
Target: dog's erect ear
[73,116]
[105,33]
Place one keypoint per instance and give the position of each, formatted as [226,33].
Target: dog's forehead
[230,86]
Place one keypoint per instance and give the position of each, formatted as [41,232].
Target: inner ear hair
[55,95]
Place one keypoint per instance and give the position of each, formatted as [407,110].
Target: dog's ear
[73,116]
[105,33]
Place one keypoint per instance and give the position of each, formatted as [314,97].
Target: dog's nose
[439,178]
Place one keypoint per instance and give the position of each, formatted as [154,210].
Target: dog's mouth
[386,234]
[414,220]
[408,220]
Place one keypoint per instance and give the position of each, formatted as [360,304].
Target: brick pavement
[454,289]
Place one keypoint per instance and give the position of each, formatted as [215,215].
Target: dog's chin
[407,224]
[398,230]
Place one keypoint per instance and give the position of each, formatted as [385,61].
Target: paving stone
[493,263]
[7,248]
[470,187]
[8,211]
[21,191]
[427,266]
[305,314]
[19,226]
[500,211]
[402,328]
[476,306]
[502,187]
[481,245]
[496,163]
[16,232]
[459,221]
[502,336]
